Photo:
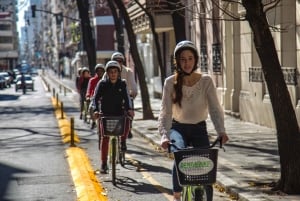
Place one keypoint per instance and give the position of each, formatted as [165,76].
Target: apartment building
[227,52]
[8,35]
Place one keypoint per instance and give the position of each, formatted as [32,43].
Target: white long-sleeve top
[197,102]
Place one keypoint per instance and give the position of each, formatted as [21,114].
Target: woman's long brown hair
[178,80]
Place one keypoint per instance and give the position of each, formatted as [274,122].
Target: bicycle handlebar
[219,139]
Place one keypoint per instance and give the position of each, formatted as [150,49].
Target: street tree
[118,20]
[87,33]
[288,135]
[178,15]
[147,111]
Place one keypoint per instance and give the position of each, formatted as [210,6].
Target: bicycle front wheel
[121,154]
[199,194]
[113,159]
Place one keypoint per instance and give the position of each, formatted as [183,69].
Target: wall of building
[240,56]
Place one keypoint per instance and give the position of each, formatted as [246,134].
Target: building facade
[227,52]
[246,91]
[8,35]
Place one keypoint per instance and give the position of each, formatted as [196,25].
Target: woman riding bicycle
[111,93]
[188,97]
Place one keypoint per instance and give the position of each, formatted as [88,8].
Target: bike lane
[33,163]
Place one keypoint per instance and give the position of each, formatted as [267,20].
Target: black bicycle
[196,167]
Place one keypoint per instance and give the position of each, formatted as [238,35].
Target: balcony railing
[289,74]
[255,74]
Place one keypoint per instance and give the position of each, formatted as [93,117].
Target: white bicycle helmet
[117,56]
[84,69]
[112,64]
[186,45]
[99,66]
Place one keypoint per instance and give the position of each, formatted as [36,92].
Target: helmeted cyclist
[99,71]
[114,100]
[128,75]
[83,84]
[188,98]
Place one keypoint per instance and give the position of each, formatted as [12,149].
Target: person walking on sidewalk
[99,71]
[78,79]
[128,75]
[111,92]
[83,84]
[188,97]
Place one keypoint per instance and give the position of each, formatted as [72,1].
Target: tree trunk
[147,111]
[118,26]
[178,16]
[285,118]
[162,68]
[86,32]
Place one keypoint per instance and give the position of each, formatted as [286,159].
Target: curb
[87,186]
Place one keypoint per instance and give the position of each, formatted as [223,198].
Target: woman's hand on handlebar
[224,137]
[164,142]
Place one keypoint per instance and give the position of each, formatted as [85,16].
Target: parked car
[2,82]
[34,71]
[8,79]
[28,81]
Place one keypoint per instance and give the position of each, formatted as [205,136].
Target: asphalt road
[32,156]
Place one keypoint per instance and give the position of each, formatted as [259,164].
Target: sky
[22,5]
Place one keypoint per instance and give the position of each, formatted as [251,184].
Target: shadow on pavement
[6,175]
[8,97]
[131,185]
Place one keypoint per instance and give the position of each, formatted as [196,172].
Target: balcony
[159,11]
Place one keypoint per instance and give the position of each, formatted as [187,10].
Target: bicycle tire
[113,159]
[121,154]
[122,158]
[199,194]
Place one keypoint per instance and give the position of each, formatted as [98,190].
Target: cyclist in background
[99,71]
[188,98]
[127,74]
[83,84]
[114,101]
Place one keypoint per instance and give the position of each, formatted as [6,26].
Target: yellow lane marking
[87,185]
[63,123]
[149,178]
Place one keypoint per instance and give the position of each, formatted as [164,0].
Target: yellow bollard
[62,110]
[72,133]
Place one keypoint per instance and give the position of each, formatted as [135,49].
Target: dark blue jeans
[183,135]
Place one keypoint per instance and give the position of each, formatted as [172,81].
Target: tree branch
[270,5]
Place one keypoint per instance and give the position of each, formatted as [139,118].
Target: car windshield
[27,78]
